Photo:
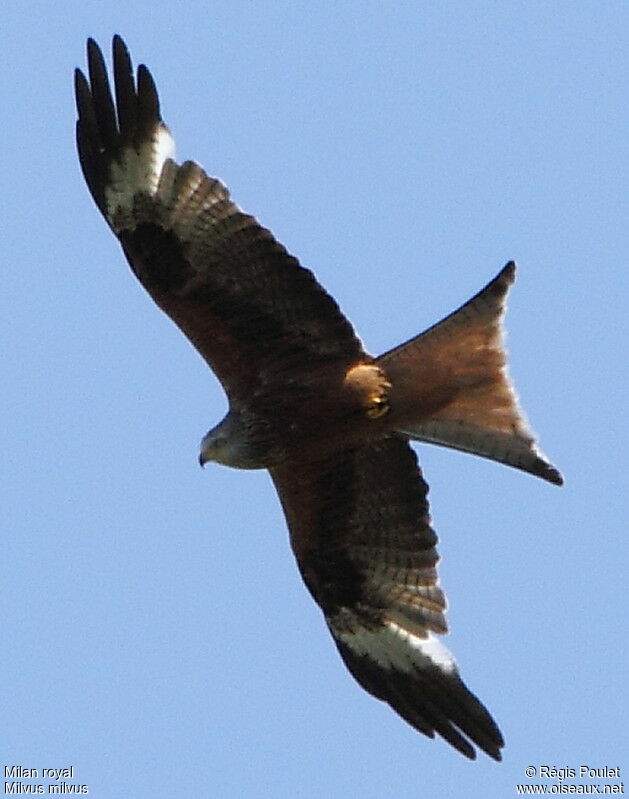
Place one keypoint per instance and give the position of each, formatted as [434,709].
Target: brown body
[329,421]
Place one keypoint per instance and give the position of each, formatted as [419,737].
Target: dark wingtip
[125,89]
[148,100]
[95,59]
[81,90]
[119,48]
[432,703]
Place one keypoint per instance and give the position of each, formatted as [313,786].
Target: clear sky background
[155,631]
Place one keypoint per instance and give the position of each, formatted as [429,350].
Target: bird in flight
[330,422]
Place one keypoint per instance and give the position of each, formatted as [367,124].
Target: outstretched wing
[247,305]
[360,530]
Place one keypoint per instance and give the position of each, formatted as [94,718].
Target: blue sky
[156,634]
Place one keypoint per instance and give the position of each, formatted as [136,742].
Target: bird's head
[232,443]
[217,445]
[212,446]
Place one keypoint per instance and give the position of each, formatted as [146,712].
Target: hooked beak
[204,455]
[207,451]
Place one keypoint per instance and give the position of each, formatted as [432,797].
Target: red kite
[330,422]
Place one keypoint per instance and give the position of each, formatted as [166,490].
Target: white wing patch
[137,172]
[394,647]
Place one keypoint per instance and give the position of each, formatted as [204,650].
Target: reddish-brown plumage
[330,422]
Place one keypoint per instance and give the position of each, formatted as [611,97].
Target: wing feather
[361,532]
[245,303]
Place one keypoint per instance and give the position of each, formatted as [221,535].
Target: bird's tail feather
[450,385]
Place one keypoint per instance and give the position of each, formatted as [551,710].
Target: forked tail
[450,385]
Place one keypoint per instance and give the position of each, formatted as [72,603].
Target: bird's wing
[247,305]
[361,532]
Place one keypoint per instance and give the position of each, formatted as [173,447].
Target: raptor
[330,422]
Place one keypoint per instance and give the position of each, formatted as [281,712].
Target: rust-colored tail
[450,385]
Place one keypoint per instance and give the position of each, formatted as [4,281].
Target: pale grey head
[241,441]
